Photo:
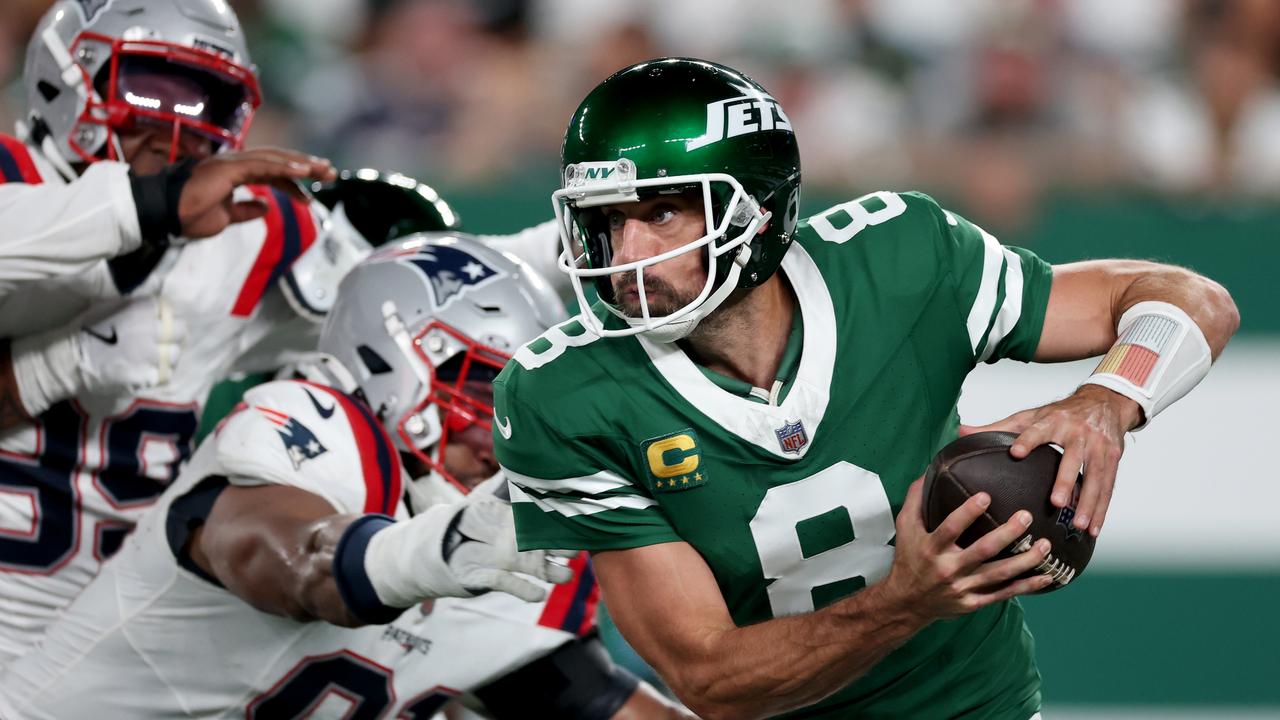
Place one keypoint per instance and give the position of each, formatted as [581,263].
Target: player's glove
[125,348]
[458,550]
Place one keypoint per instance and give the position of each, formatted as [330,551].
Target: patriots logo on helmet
[450,271]
[91,8]
[299,442]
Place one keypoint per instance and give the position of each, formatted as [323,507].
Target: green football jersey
[613,443]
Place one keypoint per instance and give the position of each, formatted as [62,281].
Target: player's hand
[480,552]
[1089,426]
[933,577]
[206,206]
[131,347]
[460,549]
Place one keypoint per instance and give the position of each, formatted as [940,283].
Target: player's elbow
[1214,310]
[711,693]
[1228,315]
[709,707]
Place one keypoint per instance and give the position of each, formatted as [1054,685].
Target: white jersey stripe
[1011,309]
[596,484]
[984,303]
[581,506]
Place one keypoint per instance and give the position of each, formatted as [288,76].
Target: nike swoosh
[111,339]
[325,412]
[504,426]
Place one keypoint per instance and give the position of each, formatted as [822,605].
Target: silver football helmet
[423,325]
[95,67]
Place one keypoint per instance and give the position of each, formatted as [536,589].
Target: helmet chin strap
[679,329]
[325,369]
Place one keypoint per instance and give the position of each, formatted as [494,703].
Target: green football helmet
[385,206]
[672,125]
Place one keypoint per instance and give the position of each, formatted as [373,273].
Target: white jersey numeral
[860,217]
[560,341]
[775,529]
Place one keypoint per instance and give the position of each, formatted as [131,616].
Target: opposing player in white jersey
[228,599]
[96,411]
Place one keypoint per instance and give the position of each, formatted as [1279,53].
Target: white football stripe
[596,484]
[580,506]
[984,303]
[1011,308]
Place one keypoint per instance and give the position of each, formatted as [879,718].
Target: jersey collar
[757,423]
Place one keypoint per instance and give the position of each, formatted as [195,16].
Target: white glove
[458,550]
[124,348]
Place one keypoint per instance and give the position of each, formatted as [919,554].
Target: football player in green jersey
[734,429]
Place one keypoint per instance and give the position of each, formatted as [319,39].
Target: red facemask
[460,389]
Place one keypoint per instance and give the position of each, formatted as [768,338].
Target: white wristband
[47,369]
[405,562]
[1160,354]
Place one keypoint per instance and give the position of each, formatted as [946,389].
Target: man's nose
[636,241]
[194,145]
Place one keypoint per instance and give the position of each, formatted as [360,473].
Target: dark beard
[663,298]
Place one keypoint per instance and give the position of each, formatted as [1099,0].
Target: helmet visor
[189,89]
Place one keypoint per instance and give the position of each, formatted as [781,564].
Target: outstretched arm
[1086,306]
[1088,298]
[287,552]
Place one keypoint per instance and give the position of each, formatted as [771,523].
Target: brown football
[982,463]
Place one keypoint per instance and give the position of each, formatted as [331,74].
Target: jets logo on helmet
[450,271]
[731,117]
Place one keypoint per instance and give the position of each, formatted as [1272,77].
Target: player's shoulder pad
[882,234]
[17,165]
[882,215]
[566,356]
[315,438]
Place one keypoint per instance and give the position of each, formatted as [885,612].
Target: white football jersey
[73,483]
[58,229]
[151,637]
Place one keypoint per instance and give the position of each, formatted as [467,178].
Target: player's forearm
[279,564]
[787,663]
[53,230]
[1205,301]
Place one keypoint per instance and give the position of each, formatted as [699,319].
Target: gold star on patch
[697,477]
[684,480]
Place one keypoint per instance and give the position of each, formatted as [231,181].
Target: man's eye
[615,220]
[663,216]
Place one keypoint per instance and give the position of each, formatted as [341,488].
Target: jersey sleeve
[1002,292]
[313,438]
[287,230]
[55,229]
[566,492]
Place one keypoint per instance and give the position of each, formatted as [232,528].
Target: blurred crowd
[988,101]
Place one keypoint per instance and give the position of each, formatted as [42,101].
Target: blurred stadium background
[1077,128]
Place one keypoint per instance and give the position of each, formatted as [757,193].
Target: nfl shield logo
[792,437]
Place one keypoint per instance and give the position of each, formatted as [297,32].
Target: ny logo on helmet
[731,117]
[450,271]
